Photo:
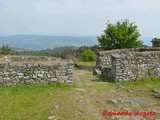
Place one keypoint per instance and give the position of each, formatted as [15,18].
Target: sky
[77,17]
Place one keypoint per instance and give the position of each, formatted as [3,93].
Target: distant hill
[41,42]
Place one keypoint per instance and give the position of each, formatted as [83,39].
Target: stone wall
[129,64]
[15,70]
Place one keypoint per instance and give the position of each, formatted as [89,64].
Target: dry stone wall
[15,70]
[129,64]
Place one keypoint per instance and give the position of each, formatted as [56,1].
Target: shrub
[5,49]
[88,55]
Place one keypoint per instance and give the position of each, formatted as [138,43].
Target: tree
[123,34]
[156,42]
[5,49]
[88,55]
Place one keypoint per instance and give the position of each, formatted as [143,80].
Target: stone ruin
[129,64]
[16,70]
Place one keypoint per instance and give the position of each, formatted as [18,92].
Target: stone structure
[129,64]
[15,70]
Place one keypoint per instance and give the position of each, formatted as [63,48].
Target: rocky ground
[100,96]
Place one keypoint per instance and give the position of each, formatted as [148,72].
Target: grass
[141,83]
[1,55]
[85,65]
[39,102]
[27,102]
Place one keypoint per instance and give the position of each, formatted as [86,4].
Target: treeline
[66,52]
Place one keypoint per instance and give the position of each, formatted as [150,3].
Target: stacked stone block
[130,64]
[15,70]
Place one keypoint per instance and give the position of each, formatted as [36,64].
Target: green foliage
[123,34]
[81,49]
[156,42]
[5,49]
[66,52]
[88,55]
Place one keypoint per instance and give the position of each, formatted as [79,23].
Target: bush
[88,55]
[5,49]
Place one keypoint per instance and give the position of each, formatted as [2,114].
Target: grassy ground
[1,55]
[86,99]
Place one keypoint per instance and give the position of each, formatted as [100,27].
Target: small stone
[112,101]
[13,72]
[96,71]
[57,106]
[157,96]
[53,118]
[112,91]
[15,81]
[40,75]
[129,91]
[53,79]
[121,100]
[20,74]
[120,87]
[80,89]
[34,76]
[48,75]
[156,90]
[36,65]
[29,65]
[51,112]
[68,81]
[134,103]
[79,84]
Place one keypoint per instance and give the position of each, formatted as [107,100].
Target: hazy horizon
[41,42]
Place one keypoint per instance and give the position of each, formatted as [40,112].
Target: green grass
[28,102]
[1,55]
[141,83]
[85,65]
